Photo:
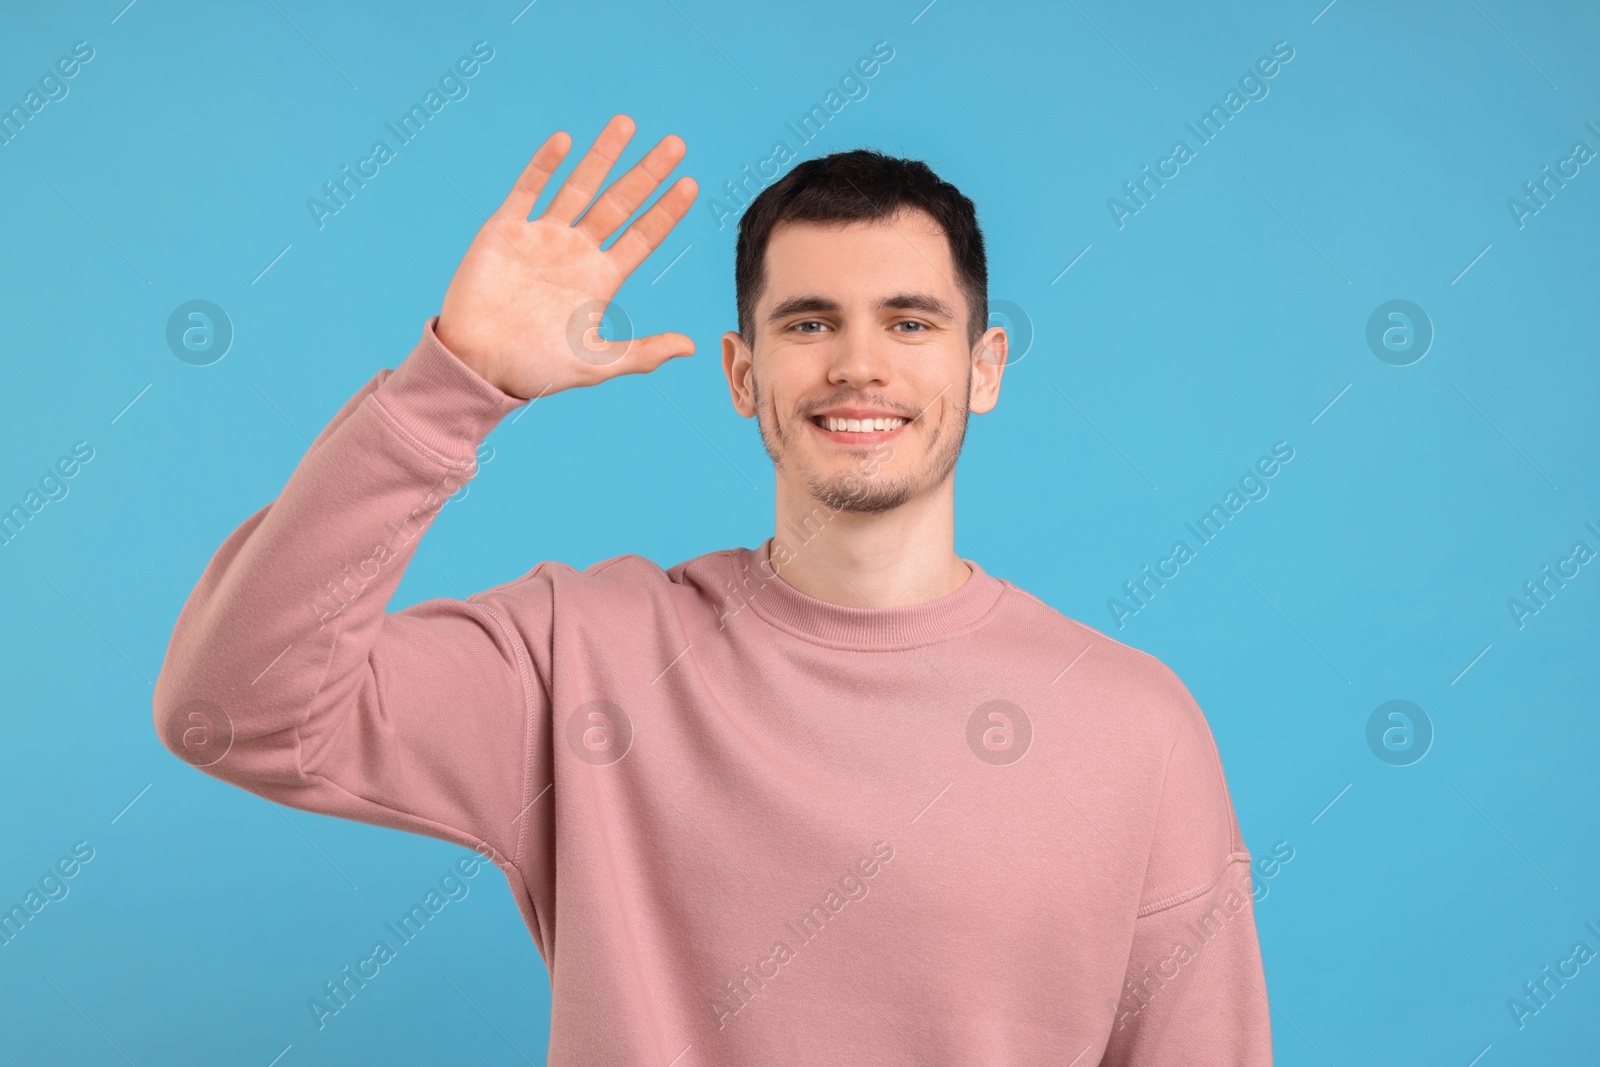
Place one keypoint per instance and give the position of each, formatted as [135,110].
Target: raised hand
[524,303]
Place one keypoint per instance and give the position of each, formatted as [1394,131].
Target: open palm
[524,305]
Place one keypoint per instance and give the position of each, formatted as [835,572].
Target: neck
[880,560]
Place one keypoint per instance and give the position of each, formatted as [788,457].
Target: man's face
[862,322]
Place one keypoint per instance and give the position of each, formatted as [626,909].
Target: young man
[843,798]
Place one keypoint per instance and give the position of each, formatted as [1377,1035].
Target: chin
[859,495]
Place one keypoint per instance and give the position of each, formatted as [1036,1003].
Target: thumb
[638,355]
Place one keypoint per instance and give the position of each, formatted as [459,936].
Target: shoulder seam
[1098,634]
[1187,895]
[607,564]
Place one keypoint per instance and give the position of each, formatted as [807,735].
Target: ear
[988,363]
[737,363]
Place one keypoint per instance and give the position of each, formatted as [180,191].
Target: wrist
[468,353]
[441,403]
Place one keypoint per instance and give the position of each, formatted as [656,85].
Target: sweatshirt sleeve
[1194,993]
[286,676]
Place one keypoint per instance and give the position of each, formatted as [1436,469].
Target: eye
[921,327]
[807,322]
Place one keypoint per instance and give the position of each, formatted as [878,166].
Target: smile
[857,430]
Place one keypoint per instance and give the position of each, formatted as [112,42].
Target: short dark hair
[861,185]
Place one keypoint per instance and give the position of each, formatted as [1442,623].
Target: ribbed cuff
[445,404]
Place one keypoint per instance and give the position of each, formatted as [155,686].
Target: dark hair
[861,185]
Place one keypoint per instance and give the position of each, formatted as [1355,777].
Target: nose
[858,359]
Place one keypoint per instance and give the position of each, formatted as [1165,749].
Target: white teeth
[863,425]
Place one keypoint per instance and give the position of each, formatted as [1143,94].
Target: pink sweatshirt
[743,825]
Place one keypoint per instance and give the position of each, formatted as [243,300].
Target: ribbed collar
[864,629]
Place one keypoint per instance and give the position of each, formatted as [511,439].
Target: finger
[532,180]
[640,355]
[651,228]
[581,185]
[632,189]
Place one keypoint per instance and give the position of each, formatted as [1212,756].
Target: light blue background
[1223,317]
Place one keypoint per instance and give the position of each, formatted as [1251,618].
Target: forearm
[277,633]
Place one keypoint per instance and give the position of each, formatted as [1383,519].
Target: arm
[285,674]
[1194,994]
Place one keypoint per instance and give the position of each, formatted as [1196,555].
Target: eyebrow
[924,302]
